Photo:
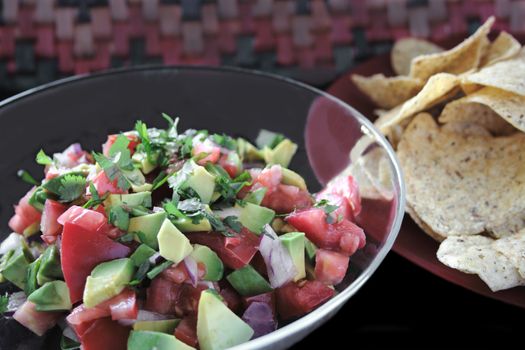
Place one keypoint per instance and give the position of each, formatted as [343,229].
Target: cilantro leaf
[224,141]
[141,273]
[328,209]
[217,224]
[71,187]
[43,159]
[26,177]
[119,166]
[160,180]
[119,218]
[68,344]
[4,302]
[95,199]
[233,223]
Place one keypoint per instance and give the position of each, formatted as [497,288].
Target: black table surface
[403,306]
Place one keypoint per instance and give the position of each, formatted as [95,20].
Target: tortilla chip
[476,255]
[387,92]
[434,235]
[506,75]
[513,247]
[405,50]
[504,47]
[438,88]
[462,58]
[476,113]
[465,128]
[507,105]
[463,184]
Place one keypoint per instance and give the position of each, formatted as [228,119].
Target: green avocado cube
[3,262]
[130,200]
[281,154]
[202,182]
[248,282]
[310,248]
[294,244]
[15,269]
[214,266]
[292,178]
[50,267]
[254,217]
[148,340]
[218,327]
[52,296]
[107,280]
[147,227]
[31,280]
[141,254]
[142,159]
[163,326]
[187,225]
[173,244]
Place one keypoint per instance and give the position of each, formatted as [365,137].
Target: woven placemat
[311,40]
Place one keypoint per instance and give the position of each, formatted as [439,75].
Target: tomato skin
[81,251]
[186,331]
[286,198]
[105,185]
[25,214]
[88,219]
[347,188]
[234,253]
[188,300]
[124,306]
[133,142]
[162,296]
[330,267]
[213,152]
[49,224]
[297,299]
[105,334]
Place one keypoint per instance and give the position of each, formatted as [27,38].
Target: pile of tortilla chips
[457,121]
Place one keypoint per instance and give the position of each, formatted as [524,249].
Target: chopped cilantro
[233,223]
[154,272]
[217,224]
[4,302]
[160,180]
[71,187]
[26,177]
[43,159]
[224,141]
[119,218]
[68,344]
[128,237]
[328,209]
[95,199]
[141,273]
[190,205]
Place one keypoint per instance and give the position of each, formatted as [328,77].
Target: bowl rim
[328,309]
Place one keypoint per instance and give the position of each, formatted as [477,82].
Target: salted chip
[463,184]
[438,88]
[504,47]
[506,75]
[405,50]
[462,58]
[476,255]
[373,173]
[477,114]
[422,225]
[387,92]
[513,247]
[507,105]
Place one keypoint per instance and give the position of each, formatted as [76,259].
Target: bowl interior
[222,100]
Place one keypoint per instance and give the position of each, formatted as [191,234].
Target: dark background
[403,306]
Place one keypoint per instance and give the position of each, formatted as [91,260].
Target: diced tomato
[227,164]
[25,214]
[49,224]
[104,185]
[234,255]
[330,267]
[232,299]
[297,299]
[133,142]
[186,331]
[88,219]
[121,307]
[286,199]
[259,264]
[347,188]
[207,147]
[179,273]
[70,157]
[82,250]
[162,296]
[39,322]
[267,298]
[188,300]
[344,236]
[105,334]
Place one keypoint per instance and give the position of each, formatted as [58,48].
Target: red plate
[412,243]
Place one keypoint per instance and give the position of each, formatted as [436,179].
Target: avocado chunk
[142,159]
[294,243]
[52,296]
[107,280]
[290,177]
[141,254]
[50,267]
[202,182]
[214,266]
[254,217]
[148,340]
[173,245]
[257,196]
[186,225]
[248,282]
[31,279]
[145,187]
[310,248]
[147,227]
[163,326]
[281,154]
[15,269]
[130,200]
[218,327]
[248,151]
[3,262]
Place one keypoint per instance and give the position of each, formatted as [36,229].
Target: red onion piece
[39,322]
[193,270]
[260,317]
[279,263]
